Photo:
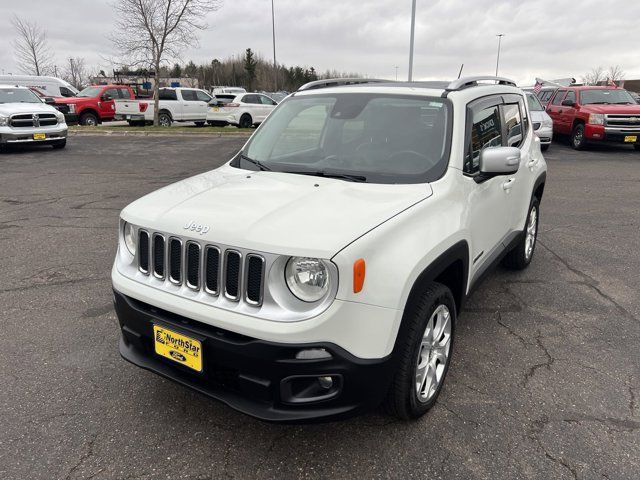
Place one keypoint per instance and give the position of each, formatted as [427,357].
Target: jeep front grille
[203,267]
[29,120]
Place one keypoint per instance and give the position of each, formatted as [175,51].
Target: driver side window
[486,131]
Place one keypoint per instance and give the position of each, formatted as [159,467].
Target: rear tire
[88,119]
[59,144]
[245,121]
[425,354]
[520,256]
[164,119]
[578,142]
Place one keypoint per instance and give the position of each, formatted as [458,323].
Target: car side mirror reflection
[568,103]
[105,97]
[496,161]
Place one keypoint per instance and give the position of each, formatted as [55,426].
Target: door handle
[532,162]
[508,184]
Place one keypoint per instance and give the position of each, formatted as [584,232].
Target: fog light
[325,382]
[312,354]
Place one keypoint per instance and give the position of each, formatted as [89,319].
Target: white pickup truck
[176,105]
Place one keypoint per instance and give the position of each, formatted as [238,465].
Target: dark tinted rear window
[166,94]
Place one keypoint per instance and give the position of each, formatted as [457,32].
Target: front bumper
[599,133]
[545,134]
[260,378]
[14,136]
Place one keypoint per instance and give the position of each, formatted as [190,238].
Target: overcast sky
[544,38]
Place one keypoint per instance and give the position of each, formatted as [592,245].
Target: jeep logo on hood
[197,227]
[177,355]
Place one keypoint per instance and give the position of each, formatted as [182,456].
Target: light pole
[396,67]
[413,32]
[275,64]
[500,35]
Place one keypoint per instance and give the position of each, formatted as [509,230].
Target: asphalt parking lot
[545,379]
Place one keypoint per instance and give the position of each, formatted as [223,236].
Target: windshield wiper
[624,103]
[330,174]
[257,163]
[597,103]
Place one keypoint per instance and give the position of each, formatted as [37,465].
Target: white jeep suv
[321,271]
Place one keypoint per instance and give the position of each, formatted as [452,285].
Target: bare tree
[596,75]
[76,73]
[615,73]
[152,32]
[32,52]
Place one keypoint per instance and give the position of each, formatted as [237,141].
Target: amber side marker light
[359,270]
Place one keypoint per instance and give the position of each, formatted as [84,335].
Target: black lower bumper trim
[248,374]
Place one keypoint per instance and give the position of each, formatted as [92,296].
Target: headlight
[129,234]
[596,119]
[4,121]
[307,278]
[547,123]
[60,117]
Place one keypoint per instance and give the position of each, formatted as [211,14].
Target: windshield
[18,95]
[609,96]
[534,103]
[90,92]
[356,136]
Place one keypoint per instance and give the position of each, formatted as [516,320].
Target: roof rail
[336,82]
[466,82]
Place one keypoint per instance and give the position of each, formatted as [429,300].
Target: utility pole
[396,67]
[275,64]
[413,32]
[500,35]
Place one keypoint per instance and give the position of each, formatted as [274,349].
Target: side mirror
[568,103]
[49,101]
[499,161]
[105,97]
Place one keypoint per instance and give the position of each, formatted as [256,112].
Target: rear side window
[557,100]
[513,124]
[251,99]
[125,93]
[189,95]
[486,131]
[166,94]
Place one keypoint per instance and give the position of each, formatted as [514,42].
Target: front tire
[520,257]
[59,144]
[425,353]
[578,141]
[245,121]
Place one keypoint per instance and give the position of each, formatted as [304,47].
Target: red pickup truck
[95,104]
[595,114]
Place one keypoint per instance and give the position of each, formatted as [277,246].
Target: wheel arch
[538,186]
[86,110]
[451,269]
[168,112]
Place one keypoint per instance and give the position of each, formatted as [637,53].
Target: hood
[74,100]
[540,116]
[616,109]
[273,212]
[14,108]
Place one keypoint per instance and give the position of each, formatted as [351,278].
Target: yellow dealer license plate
[631,139]
[39,136]
[179,348]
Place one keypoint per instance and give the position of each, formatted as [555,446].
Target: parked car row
[593,114]
[194,105]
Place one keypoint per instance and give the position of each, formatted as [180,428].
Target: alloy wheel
[532,230]
[433,353]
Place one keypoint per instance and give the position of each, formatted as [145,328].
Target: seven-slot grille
[22,120]
[202,267]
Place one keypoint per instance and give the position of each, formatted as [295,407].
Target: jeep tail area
[321,271]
